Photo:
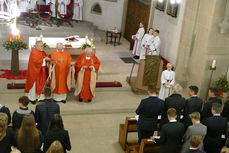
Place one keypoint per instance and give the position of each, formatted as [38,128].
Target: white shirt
[172,120]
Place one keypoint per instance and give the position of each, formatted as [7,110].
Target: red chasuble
[36,72]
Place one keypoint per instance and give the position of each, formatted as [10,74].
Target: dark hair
[24,100]
[150,29]
[56,122]
[152,89]
[217,107]
[214,91]
[195,141]
[142,23]
[195,89]
[47,92]
[28,138]
[172,112]
[157,31]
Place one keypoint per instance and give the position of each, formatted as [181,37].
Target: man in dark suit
[225,112]
[216,130]
[45,110]
[148,112]
[171,134]
[206,112]
[195,142]
[175,101]
[193,104]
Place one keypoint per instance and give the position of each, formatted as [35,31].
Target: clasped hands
[86,67]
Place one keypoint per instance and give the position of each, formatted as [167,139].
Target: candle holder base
[212,68]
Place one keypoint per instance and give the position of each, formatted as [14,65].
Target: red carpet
[98,85]
[9,77]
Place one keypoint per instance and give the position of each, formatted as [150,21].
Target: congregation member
[167,82]
[212,94]
[225,112]
[192,104]
[196,128]
[56,147]
[23,110]
[195,142]
[56,131]
[138,40]
[216,130]
[225,149]
[6,135]
[61,75]
[37,72]
[175,101]
[78,10]
[4,109]
[171,134]
[45,111]
[28,137]
[87,67]
[147,41]
[148,111]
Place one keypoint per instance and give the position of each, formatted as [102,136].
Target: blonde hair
[169,64]
[3,125]
[55,147]
[177,88]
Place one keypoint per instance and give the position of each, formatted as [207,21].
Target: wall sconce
[161,5]
[173,6]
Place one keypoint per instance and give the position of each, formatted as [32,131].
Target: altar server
[1,5]
[62,6]
[147,41]
[138,39]
[61,74]
[167,82]
[23,6]
[78,10]
[155,46]
[37,72]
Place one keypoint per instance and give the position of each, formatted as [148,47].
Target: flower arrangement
[222,83]
[15,44]
[46,45]
[84,46]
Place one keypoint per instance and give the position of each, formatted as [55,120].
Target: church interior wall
[170,31]
[112,14]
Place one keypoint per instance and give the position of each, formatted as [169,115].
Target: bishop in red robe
[37,72]
[86,67]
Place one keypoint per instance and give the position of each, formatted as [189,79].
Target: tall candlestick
[86,37]
[213,63]
[41,37]
[91,42]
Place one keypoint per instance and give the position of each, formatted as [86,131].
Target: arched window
[96,9]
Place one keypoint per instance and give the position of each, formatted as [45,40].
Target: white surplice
[1,5]
[155,46]
[62,6]
[52,3]
[166,77]
[147,41]
[78,10]
[23,5]
[137,44]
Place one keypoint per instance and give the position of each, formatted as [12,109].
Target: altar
[72,46]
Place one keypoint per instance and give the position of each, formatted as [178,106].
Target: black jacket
[61,135]
[44,112]
[148,112]
[18,116]
[193,104]
[225,112]
[194,151]
[4,109]
[7,141]
[216,127]
[206,112]
[174,101]
[171,137]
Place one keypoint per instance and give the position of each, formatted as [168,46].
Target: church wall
[112,14]
[170,30]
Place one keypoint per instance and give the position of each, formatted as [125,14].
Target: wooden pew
[129,126]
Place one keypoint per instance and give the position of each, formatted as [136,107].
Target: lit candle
[91,42]
[86,37]
[41,37]
[213,63]
[36,38]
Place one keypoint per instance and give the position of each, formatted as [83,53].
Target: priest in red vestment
[61,75]
[37,72]
[87,67]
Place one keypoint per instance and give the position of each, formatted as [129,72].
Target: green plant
[222,83]
[15,44]
[84,46]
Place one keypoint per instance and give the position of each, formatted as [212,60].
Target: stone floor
[93,127]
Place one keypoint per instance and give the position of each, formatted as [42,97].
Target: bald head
[59,47]
[88,52]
